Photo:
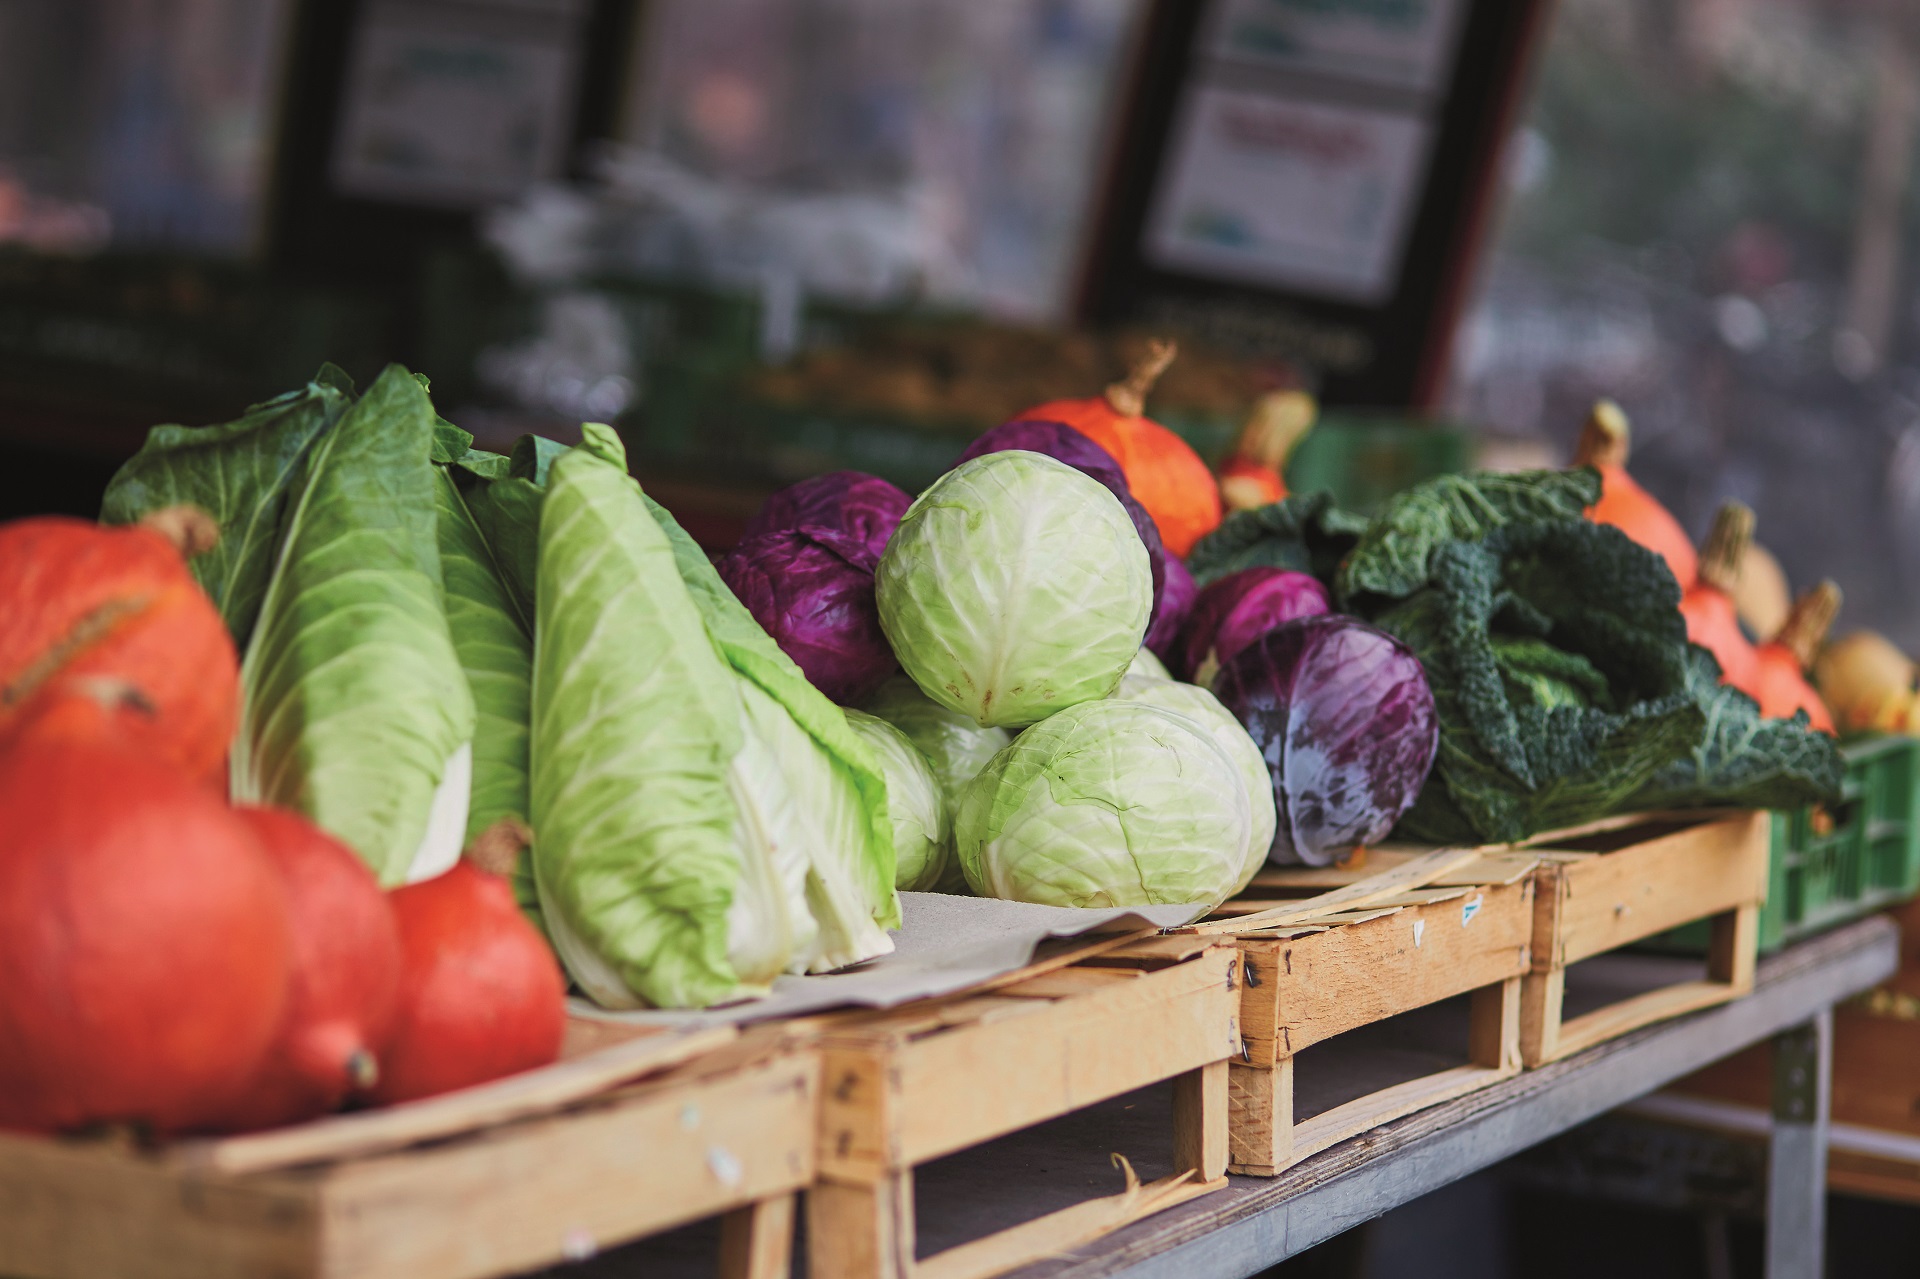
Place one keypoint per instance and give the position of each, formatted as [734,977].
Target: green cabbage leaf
[354,709]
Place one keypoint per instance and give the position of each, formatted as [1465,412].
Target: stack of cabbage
[436,636]
[1015,594]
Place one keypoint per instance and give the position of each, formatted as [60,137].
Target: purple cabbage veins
[1343,717]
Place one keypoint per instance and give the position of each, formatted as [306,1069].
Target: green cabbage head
[922,828]
[1108,803]
[1014,587]
[1204,708]
[953,744]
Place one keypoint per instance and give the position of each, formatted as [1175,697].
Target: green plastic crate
[1830,866]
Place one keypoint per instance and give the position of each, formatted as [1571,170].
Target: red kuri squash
[1781,664]
[1712,621]
[85,602]
[1623,503]
[1167,477]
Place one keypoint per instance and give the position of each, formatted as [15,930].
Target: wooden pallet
[1331,950]
[1605,886]
[623,1141]
[905,1086]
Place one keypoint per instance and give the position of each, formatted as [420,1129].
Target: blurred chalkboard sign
[1310,179]
[403,118]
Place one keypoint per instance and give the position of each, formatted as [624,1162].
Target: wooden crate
[1603,887]
[905,1086]
[546,1166]
[1330,950]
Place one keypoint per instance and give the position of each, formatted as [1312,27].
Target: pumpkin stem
[1806,626]
[498,847]
[1605,438]
[191,530]
[1129,395]
[1280,420]
[1726,546]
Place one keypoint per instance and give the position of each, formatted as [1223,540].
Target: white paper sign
[1306,196]
[1407,44]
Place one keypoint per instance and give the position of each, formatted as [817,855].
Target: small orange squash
[1167,477]
[1781,664]
[1707,605]
[105,626]
[1255,475]
[1623,503]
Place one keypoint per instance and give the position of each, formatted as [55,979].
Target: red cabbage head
[812,590]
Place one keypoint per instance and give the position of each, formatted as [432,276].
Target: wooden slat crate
[622,1142]
[1603,887]
[1396,933]
[909,1085]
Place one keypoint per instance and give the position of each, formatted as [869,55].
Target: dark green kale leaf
[1559,667]
[1391,559]
[1742,760]
[1306,533]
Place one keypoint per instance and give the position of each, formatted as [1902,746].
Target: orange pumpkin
[1623,503]
[103,631]
[1712,621]
[1167,477]
[1781,664]
[1255,475]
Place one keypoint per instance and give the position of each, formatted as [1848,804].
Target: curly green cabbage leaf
[1015,586]
[1742,760]
[1558,662]
[240,473]
[922,826]
[1204,708]
[354,709]
[1108,803]
[1391,557]
[1305,533]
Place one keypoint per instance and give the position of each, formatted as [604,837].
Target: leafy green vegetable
[1530,740]
[635,723]
[507,508]
[1306,533]
[353,706]
[1202,707]
[495,646]
[1107,803]
[922,825]
[1391,557]
[1742,760]
[857,862]
[1014,586]
[240,474]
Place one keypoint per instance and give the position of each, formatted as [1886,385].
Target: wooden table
[1257,1222]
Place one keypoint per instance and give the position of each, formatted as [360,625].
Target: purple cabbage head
[865,506]
[1344,718]
[812,590]
[1238,609]
[1064,444]
[1170,610]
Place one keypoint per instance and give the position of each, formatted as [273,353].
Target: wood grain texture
[861,1230]
[702,1140]
[1062,1231]
[756,1242]
[1304,990]
[1260,1132]
[1200,1122]
[1257,1223]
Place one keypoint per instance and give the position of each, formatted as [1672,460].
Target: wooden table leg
[756,1242]
[1200,1121]
[1797,1156]
[861,1230]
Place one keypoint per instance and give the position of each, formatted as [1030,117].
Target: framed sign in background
[1309,180]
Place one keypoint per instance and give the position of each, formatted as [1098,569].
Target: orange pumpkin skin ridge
[345,986]
[1167,477]
[145,943]
[87,602]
